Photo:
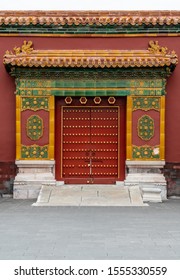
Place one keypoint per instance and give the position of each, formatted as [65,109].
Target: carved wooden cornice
[154,56]
[89,18]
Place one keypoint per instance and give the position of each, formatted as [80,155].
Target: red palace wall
[7,89]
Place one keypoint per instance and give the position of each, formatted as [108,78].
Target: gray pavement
[28,232]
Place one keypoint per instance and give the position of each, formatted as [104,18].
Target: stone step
[135,195]
[89,195]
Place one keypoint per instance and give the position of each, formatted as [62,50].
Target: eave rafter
[154,56]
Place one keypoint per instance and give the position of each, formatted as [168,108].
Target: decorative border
[146,104]
[129,128]
[51,127]
[91,92]
[162,128]
[18,127]
[35,103]
[126,34]
[94,75]
[97,77]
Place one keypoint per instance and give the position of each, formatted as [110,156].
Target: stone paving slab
[80,233]
[91,195]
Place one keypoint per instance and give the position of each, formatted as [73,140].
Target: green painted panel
[34,151]
[145,152]
[146,103]
[89,83]
[90,92]
[35,103]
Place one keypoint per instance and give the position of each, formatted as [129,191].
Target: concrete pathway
[91,195]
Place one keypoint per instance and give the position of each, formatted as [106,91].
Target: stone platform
[91,195]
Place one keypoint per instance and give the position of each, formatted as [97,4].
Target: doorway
[90,142]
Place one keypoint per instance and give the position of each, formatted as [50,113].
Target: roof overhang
[27,57]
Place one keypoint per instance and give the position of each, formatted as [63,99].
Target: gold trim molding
[50,35]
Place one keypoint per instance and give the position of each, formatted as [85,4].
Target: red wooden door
[90,144]
[76,142]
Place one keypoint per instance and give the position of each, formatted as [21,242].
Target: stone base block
[30,189]
[151,194]
[149,181]
[147,174]
[31,176]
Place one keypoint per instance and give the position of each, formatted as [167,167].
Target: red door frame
[59,104]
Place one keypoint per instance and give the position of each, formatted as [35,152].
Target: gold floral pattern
[145,127]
